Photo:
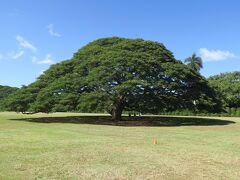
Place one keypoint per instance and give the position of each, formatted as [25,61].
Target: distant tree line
[227,86]
[5,91]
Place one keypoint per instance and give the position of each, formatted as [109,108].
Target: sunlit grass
[30,148]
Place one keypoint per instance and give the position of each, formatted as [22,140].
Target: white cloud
[46,60]
[34,59]
[50,28]
[25,44]
[1,56]
[17,55]
[215,55]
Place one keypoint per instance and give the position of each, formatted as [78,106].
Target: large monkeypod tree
[116,74]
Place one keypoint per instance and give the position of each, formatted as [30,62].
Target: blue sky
[35,34]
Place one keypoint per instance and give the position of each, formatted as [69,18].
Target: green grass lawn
[77,146]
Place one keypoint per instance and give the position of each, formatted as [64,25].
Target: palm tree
[194,62]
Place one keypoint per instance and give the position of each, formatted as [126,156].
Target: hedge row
[229,112]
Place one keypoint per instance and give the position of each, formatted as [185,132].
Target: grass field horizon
[91,146]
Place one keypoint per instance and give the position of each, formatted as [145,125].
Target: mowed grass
[76,146]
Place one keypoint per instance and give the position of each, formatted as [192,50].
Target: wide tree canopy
[228,87]
[116,74]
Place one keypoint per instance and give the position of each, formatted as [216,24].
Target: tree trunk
[117,114]
[117,109]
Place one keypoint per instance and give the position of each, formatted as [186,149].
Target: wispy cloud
[34,59]
[51,31]
[17,55]
[25,44]
[46,60]
[1,56]
[215,55]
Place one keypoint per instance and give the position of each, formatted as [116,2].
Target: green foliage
[238,112]
[5,91]
[116,74]
[20,100]
[228,88]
